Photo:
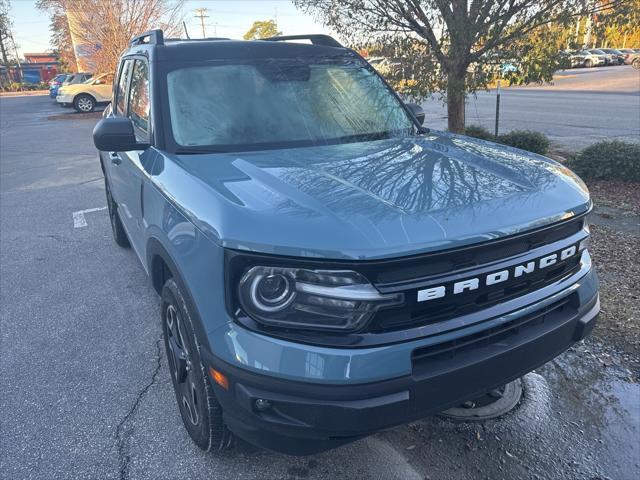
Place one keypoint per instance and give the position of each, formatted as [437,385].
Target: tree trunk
[456,95]
[3,52]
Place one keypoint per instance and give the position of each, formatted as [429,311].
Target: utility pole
[15,48]
[201,13]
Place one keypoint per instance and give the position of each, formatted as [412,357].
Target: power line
[201,14]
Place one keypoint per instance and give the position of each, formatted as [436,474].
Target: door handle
[115,158]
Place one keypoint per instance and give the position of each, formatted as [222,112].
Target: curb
[32,93]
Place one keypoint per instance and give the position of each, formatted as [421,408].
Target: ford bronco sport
[327,266]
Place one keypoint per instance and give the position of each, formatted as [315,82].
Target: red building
[39,67]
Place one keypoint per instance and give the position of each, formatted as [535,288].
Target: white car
[85,96]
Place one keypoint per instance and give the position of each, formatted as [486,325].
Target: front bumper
[307,417]
[64,100]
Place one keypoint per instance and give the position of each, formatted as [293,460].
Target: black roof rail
[315,39]
[175,39]
[152,36]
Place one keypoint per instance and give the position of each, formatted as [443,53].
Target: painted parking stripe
[79,219]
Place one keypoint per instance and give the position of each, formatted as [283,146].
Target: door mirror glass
[115,134]
[417,111]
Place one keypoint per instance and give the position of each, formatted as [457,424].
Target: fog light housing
[262,404]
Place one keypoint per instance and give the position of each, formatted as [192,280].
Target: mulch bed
[615,193]
[616,256]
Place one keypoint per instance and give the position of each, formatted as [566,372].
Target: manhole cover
[491,405]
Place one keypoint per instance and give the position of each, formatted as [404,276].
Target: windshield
[281,103]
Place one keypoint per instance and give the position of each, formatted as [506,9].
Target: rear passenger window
[139,97]
[121,91]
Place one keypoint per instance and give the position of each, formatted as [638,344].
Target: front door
[135,165]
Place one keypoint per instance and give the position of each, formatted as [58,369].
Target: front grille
[398,271]
[415,314]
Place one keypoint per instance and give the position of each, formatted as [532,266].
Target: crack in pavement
[123,436]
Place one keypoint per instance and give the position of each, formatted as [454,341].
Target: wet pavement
[86,391]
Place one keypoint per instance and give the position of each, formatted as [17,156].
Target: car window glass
[139,96]
[121,91]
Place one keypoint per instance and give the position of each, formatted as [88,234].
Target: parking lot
[582,106]
[86,392]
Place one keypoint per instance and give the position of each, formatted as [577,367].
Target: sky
[227,18]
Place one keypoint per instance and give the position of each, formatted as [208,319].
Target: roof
[241,49]
[185,50]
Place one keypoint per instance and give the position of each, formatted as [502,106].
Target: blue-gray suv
[329,267]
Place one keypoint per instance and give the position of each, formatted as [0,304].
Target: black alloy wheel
[200,411]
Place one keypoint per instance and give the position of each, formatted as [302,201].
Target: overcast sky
[227,18]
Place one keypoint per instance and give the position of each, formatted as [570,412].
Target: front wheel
[636,63]
[588,63]
[84,103]
[200,411]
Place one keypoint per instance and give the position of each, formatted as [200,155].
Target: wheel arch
[87,94]
[161,266]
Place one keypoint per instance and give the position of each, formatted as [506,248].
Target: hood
[368,200]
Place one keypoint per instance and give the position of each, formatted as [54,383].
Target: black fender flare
[155,251]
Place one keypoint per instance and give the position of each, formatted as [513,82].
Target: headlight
[310,299]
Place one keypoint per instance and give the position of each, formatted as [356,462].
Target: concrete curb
[32,93]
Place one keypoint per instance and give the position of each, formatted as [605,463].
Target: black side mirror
[417,111]
[115,134]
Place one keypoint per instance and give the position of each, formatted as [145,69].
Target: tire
[588,63]
[84,103]
[200,410]
[119,235]
[636,63]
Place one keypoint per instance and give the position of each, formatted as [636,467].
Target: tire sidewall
[209,434]
[80,97]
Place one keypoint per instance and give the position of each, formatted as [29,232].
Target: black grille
[402,270]
[414,313]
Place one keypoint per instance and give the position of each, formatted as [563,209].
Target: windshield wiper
[196,151]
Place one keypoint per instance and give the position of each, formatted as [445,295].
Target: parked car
[55,83]
[608,59]
[84,97]
[327,266]
[66,79]
[630,55]
[617,55]
[584,58]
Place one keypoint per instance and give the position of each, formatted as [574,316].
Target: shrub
[535,142]
[478,131]
[608,160]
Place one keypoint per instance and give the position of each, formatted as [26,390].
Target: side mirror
[115,134]
[417,111]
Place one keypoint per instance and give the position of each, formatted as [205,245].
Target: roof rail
[152,36]
[315,39]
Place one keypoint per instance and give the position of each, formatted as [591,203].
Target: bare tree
[5,31]
[102,29]
[456,34]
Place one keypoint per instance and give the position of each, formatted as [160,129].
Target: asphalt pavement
[582,106]
[86,392]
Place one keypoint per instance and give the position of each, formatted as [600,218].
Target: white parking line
[79,220]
